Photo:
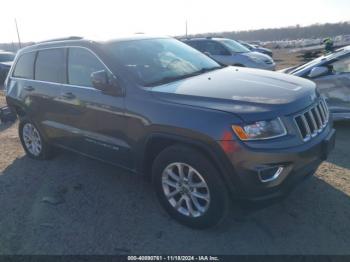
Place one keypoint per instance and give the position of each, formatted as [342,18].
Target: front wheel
[33,142]
[189,187]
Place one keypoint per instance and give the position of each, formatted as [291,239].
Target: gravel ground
[2,98]
[74,205]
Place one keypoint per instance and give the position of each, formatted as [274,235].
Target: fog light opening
[270,174]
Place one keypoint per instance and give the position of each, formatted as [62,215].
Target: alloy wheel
[31,138]
[185,189]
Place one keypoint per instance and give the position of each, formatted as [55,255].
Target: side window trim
[34,65]
[94,55]
[66,64]
[63,48]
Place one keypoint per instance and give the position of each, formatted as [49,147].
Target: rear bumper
[296,163]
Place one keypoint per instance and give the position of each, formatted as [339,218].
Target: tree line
[285,33]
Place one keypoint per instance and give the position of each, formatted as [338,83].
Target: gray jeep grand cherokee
[155,106]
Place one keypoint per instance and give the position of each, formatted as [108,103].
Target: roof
[81,41]
[134,37]
[203,38]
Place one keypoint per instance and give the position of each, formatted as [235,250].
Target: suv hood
[249,93]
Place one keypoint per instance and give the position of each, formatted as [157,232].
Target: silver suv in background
[230,52]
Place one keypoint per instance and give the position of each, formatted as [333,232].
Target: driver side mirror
[108,85]
[318,71]
[207,53]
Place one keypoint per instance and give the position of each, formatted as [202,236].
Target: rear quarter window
[25,66]
[50,66]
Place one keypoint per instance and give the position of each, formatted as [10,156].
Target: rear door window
[81,64]
[50,66]
[25,66]
[215,48]
[210,47]
[193,44]
[200,45]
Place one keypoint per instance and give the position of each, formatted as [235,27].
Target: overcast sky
[104,19]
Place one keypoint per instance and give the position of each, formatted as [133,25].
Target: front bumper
[297,163]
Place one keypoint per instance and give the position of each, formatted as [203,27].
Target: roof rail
[61,39]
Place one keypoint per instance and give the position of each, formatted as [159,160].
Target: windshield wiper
[170,79]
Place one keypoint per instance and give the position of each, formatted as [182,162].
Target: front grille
[313,121]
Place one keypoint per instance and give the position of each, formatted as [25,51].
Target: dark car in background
[230,52]
[257,48]
[6,60]
[331,73]
[202,132]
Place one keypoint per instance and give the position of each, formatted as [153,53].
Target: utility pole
[19,39]
[186,28]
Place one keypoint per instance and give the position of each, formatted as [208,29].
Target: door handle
[68,95]
[29,88]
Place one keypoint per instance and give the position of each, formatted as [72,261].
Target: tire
[42,150]
[206,212]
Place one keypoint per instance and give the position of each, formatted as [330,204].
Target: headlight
[260,130]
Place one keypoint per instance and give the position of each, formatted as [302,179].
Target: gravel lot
[74,205]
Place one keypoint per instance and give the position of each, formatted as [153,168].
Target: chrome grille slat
[312,121]
[323,115]
[325,108]
[307,127]
[318,116]
[324,103]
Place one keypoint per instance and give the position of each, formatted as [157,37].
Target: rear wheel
[33,142]
[189,187]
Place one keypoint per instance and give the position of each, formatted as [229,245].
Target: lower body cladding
[267,174]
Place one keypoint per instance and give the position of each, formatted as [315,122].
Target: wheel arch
[156,143]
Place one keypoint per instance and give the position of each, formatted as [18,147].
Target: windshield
[316,61]
[249,46]
[157,61]
[234,46]
[6,57]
